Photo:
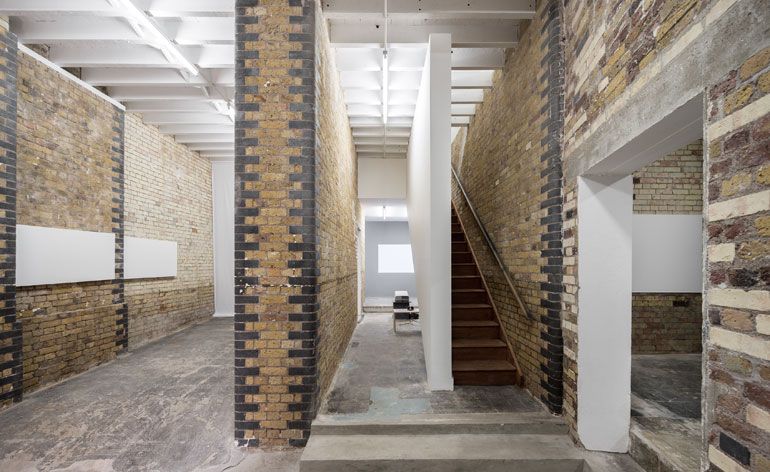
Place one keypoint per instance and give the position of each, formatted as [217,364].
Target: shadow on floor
[383,376]
[666,411]
[167,406]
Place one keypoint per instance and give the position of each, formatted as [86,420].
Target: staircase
[480,353]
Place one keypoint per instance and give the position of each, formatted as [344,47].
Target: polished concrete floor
[666,411]
[167,406]
[383,376]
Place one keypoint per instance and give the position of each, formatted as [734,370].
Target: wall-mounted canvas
[47,256]
[149,258]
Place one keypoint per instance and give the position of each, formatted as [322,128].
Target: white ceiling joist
[425,9]
[499,34]
[179,118]
[185,8]
[205,138]
[189,106]
[477,58]
[200,129]
[105,77]
[164,93]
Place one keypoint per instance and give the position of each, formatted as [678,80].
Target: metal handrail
[490,244]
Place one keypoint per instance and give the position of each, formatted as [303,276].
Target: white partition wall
[428,199]
[605,208]
[223,181]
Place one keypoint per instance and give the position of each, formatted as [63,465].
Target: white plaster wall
[223,186]
[605,209]
[428,200]
[667,253]
[382,178]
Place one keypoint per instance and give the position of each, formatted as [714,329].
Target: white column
[605,209]
[429,199]
[223,191]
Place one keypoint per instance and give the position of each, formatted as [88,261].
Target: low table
[404,314]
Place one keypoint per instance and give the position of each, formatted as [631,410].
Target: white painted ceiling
[381,94]
[173,60]
[191,101]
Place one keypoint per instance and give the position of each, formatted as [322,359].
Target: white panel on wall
[55,256]
[395,259]
[149,258]
[223,182]
[382,178]
[667,253]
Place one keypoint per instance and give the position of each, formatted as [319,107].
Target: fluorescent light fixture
[153,35]
[385,86]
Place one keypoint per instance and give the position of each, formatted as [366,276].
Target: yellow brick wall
[168,197]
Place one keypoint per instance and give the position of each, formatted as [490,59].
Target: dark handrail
[490,244]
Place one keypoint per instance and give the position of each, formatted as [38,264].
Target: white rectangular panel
[149,258]
[395,259]
[55,256]
[667,253]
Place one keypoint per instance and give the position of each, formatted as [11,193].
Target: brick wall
[673,184]
[737,409]
[511,170]
[168,197]
[70,176]
[10,327]
[669,322]
[276,258]
[338,213]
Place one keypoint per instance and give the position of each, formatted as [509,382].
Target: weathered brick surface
[673,184]
[513,178]
[738,281]
[168,197]
[10,326]
[276,245]
[70,175]
[338,213]
[665,323]
[609,44]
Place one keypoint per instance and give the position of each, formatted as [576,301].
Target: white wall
[428,199]
[223,186]
[668,253]
[382,178]
[605,209]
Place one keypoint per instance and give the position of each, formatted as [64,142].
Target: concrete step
[441,453]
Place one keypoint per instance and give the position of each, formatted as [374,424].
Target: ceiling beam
[498,34]
[61,28]
[205,138]
[184,8]
[192,31]
[101,54]
[189,106]
[179,118]
[178,129]
[105,77]
[36,7]
[212,147]
[428,9]
[477,58]
[126,94]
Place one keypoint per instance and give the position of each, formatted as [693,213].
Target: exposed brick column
[10,327]
[275,229]
[551,255]
[118,225]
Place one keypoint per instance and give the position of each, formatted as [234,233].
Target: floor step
[464,257]
[467,281]
[462,329]
[483,372]
[473,349]
[469,295]
[472,311]
[464,269]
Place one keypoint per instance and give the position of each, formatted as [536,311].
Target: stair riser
[467,283]
[469,297]
[456,228]
[472,314]
[550,426]
[462,257]
[457,237]
[464,270]
[444,465]
[484,378]
[459,246]
[478,353]
[475,332]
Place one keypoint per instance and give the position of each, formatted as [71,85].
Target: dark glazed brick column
[118,225]
[275,229]
[10,327]
[551,225]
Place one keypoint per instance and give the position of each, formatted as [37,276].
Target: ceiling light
[385,86]
[153,35]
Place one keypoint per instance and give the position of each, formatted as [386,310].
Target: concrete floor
[167,406]
[383,376]
[666,411]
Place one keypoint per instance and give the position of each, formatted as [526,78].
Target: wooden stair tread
[476,290]
[482,365]
[466,276]
[474,324]
[480,342]
[470,305]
